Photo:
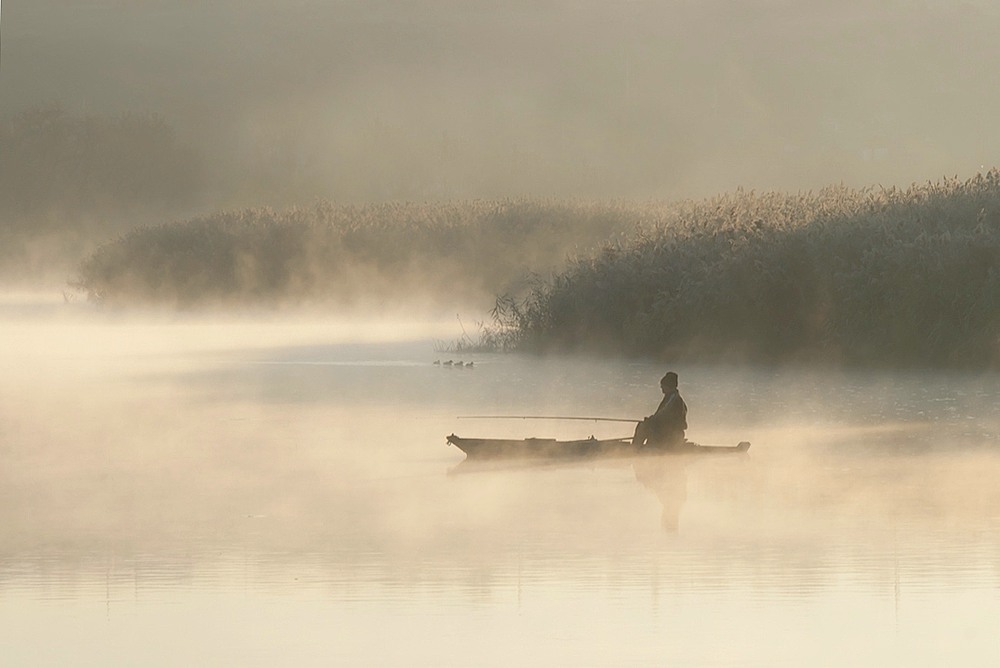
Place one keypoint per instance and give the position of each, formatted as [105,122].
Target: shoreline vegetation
[870,277]
[328,255]
[873,276]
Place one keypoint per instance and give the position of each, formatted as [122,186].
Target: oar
[545,417]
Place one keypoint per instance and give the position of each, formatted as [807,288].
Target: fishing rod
[544,417]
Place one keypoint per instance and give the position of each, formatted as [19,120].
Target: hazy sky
[427,99]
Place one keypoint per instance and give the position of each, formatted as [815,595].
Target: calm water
[179,492]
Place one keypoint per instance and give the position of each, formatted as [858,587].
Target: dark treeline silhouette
[373,100]
[387,100]
[71,180]
[53,162]
[871,276]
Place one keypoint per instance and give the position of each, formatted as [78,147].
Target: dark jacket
[670,419]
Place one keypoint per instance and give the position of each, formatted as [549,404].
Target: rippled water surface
[196,491]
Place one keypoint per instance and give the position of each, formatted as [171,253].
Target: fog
[203,475]
[365,101]
[134,434]
[258,488]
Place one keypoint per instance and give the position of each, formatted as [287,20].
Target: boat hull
[550,448]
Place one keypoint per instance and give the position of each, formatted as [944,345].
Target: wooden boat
[550,448]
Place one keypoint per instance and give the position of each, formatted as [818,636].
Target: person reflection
[665,476]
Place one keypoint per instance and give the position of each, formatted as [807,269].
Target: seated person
[666,426]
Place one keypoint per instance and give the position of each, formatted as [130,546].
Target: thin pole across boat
[545,417]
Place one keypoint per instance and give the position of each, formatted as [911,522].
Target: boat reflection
[512,464]
[663,475]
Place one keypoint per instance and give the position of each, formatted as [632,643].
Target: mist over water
[273,486]
[280,490]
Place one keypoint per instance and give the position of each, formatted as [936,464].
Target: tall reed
[871,276]
[450,253]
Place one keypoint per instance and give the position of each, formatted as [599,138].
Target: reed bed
[447,253]
[872,276]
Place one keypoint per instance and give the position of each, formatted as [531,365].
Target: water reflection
[140,486]
[666,477]
[663,475]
